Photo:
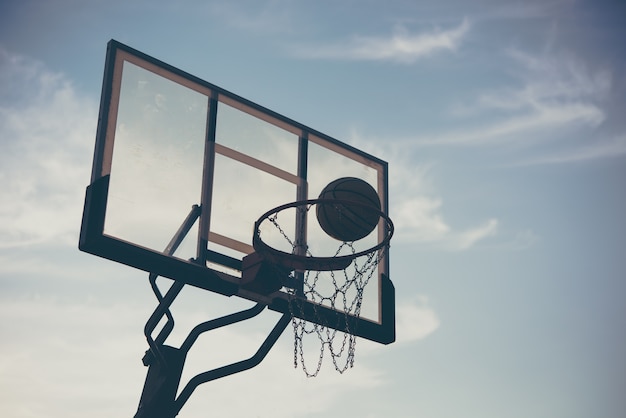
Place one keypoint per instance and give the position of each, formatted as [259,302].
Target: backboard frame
[94,240]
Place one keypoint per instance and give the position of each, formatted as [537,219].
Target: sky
[503,126]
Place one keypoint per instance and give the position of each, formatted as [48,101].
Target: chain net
[340,290]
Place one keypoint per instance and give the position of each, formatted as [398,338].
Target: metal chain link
[355,278]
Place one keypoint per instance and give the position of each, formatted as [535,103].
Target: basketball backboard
[169,144]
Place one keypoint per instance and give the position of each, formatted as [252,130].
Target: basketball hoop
[329,279]
[306,261]
[336,280]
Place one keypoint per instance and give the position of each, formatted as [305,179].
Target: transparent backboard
[170,145]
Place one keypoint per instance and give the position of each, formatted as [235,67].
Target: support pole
[159,390]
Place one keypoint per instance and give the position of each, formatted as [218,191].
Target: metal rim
[302,262]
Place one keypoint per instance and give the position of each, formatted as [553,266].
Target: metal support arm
[158,397]
[233,368]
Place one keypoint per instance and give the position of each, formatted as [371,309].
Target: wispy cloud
[421,214]
[557,93]
[559,100]
[468,238]
[543,120]
[260,18]
[416,320]
[558,76]
[402,46]
[45,134]
[55,357]
[614,147]
[419,220]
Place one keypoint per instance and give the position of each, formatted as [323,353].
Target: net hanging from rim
[339,286]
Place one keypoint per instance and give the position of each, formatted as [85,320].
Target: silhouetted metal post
[159,391]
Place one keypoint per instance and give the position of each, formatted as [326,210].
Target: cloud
[402,46]
[611,148]
[418,220]
[542,121]
[421,215]
[468,238]
[46,131]
[52,352]
[560,103]
[261,18]
[558,76]
[415,320]
[557,93]
[417,210]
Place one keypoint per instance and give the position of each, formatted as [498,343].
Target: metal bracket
[158,399]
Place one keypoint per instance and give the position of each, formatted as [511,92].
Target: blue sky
[503,125]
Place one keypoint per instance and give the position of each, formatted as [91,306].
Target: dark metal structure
[165,363]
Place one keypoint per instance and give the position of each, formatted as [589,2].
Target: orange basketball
[346,222]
